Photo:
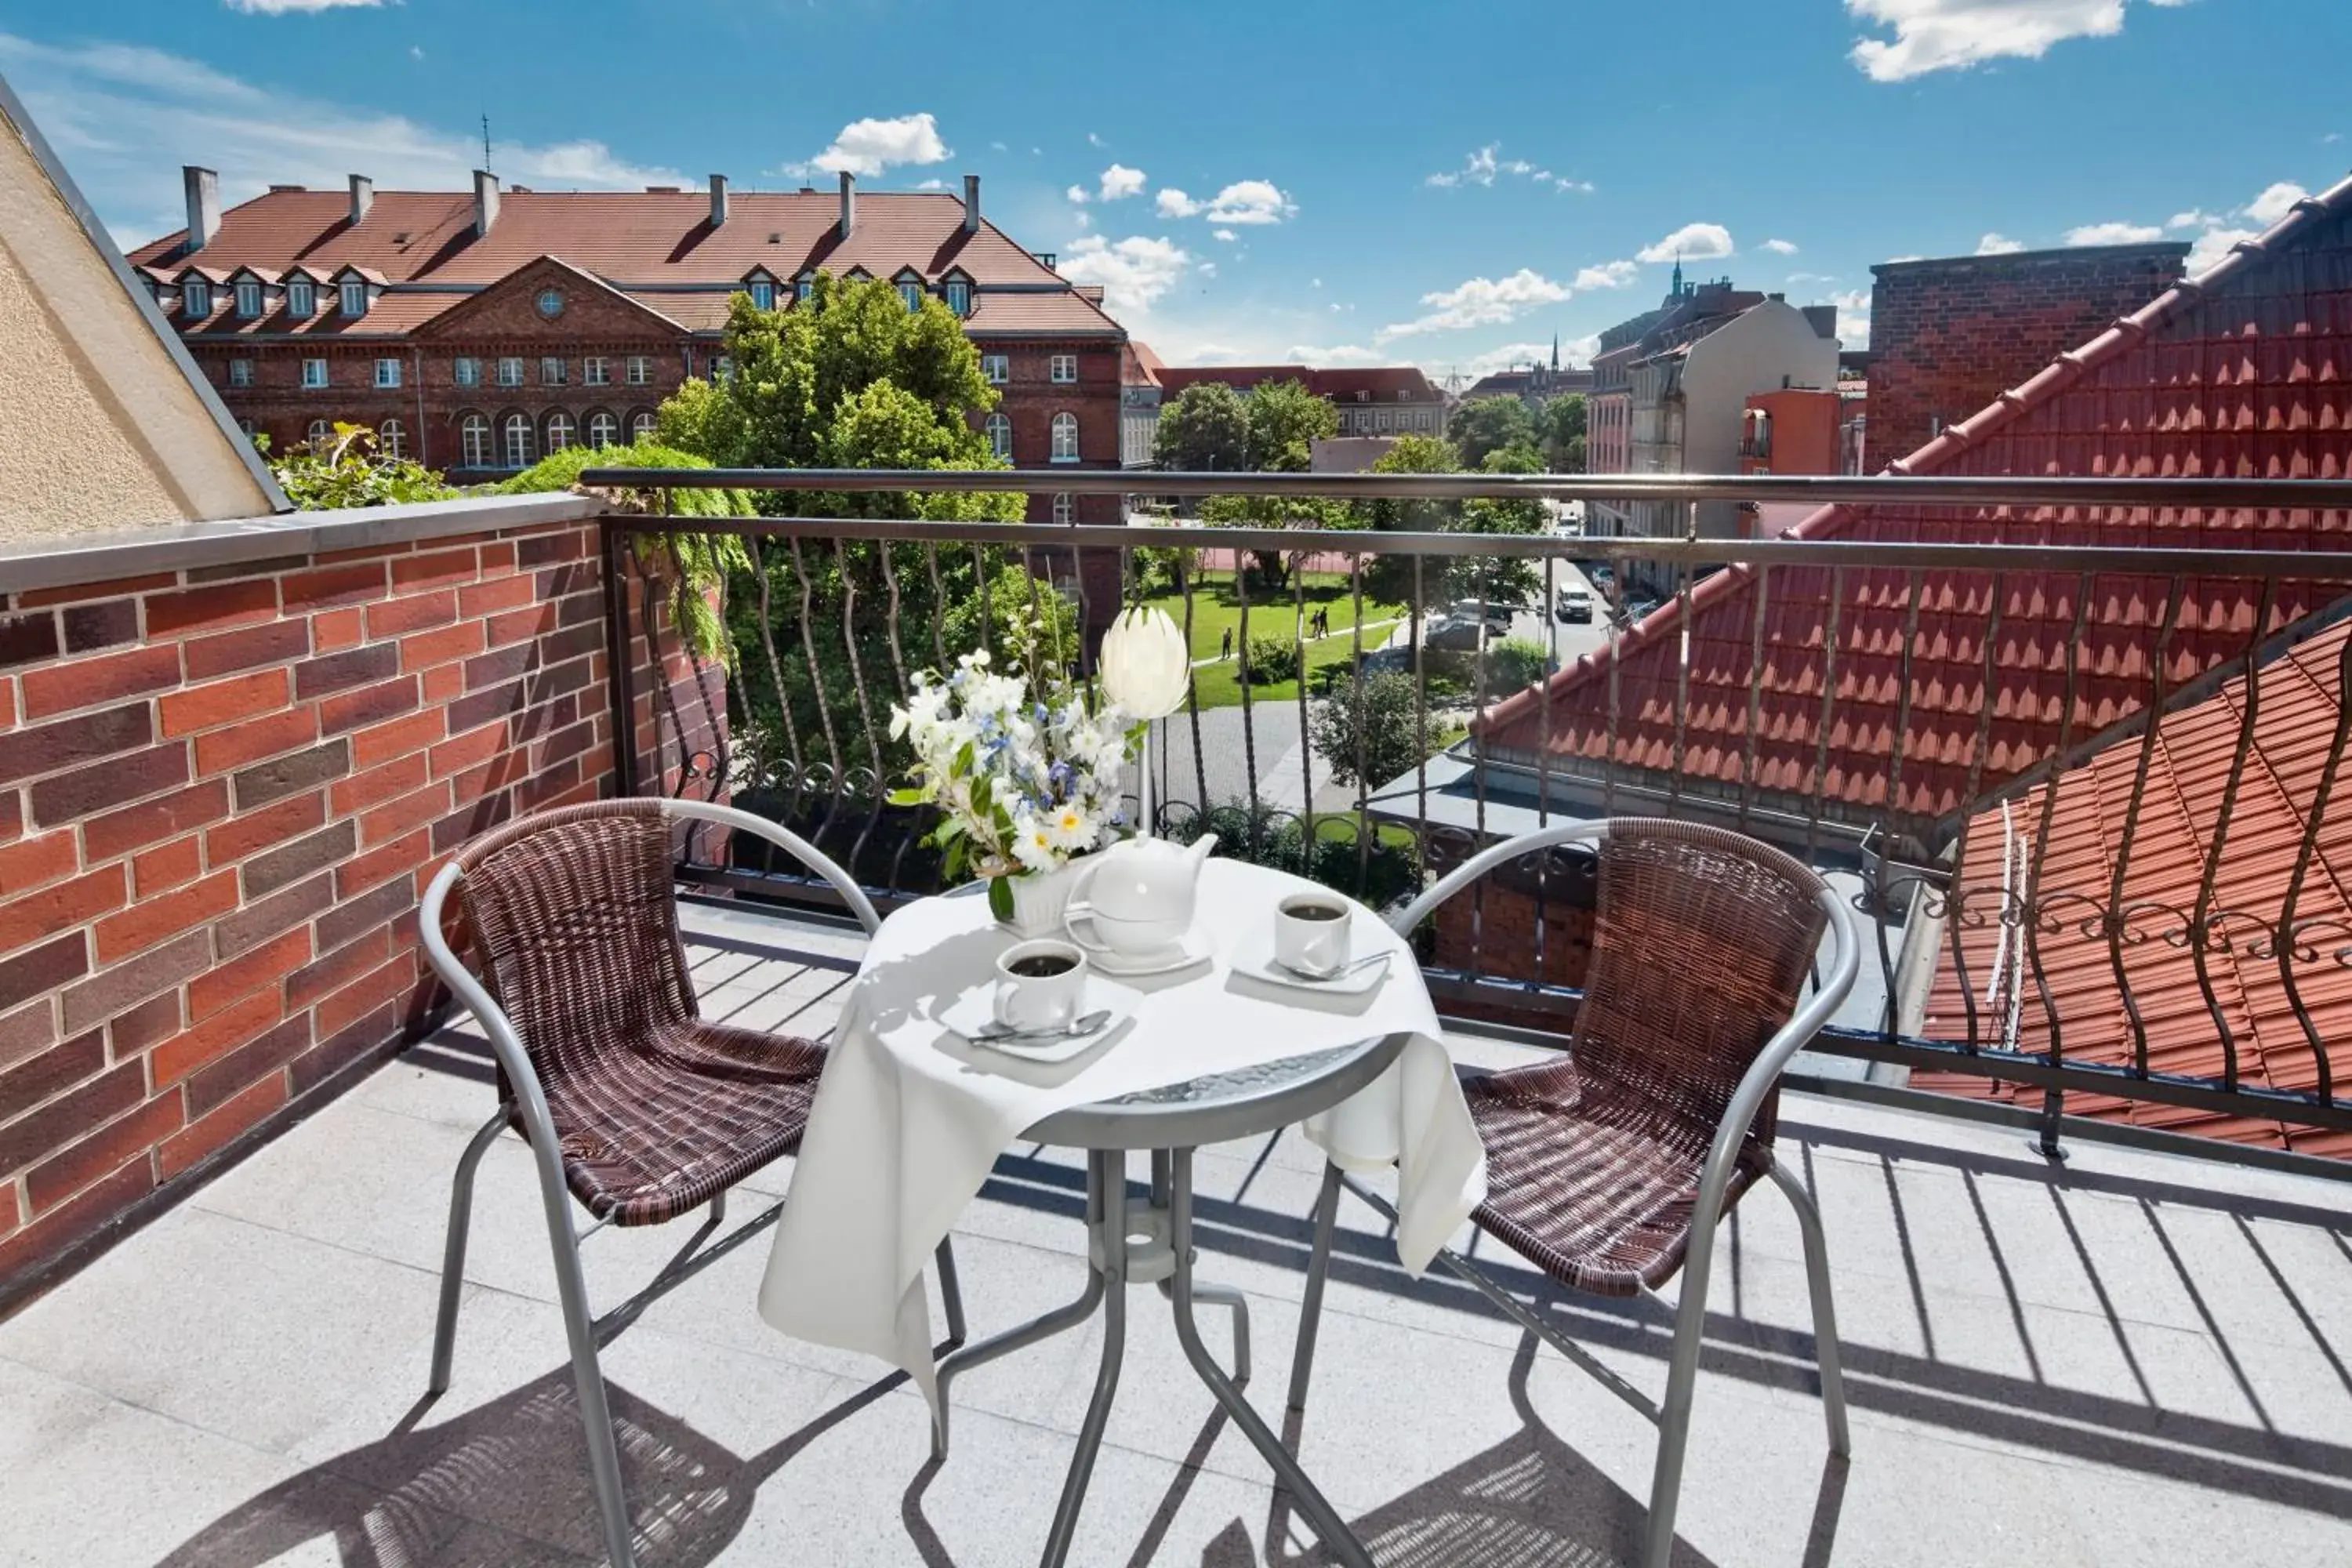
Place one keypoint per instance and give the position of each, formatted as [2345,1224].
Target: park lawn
[1216,605]
[1220,684]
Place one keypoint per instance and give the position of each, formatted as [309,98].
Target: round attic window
[550,302]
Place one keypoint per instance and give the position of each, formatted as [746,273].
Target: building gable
[518,308]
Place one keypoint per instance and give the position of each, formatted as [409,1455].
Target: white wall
[1750,354]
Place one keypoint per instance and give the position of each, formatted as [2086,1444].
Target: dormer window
[911,289]
[196,298]
[959,293]
[354,300]
[248,298]
[763,291]
[803,286]
[302,298]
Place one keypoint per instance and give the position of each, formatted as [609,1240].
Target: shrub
[1263,835]
[1397,732]
[1515,663]
[1270,659]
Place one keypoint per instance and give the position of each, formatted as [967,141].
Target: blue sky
[1449,184]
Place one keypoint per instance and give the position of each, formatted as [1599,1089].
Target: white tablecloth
[909,1117]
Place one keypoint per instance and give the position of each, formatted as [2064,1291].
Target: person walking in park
[1227,652]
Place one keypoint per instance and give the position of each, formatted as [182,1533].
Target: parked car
[1497,616]
[1453,633]
[1574,604]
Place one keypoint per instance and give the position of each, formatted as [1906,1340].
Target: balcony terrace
[219,1288]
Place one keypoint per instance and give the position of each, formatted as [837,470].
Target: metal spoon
[1341,972]
[1086,1024]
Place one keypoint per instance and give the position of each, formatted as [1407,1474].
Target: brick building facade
[478,332]
[1947,336]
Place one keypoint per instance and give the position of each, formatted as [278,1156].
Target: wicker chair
[631,1103]
[1610,1170]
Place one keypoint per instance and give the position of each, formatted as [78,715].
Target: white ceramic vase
[1040,900]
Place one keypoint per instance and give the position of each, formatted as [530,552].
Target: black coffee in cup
[1044,966]
[1314,911]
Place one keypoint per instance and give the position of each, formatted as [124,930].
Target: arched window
[473,441]
[1065,509]
[641,424]
[320,430]
[562,431]
[1066,438]
[522,445]
[1000,436]
[391,440]
[603,430]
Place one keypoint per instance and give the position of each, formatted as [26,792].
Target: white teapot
[1137,894]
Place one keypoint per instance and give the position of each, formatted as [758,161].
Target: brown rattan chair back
[576,932]
[1702,941]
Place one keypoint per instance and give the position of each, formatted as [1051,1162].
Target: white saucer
[975,1010]
[1254,958]
[1194,948]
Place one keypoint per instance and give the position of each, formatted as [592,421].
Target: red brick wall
[222,793]
[1947,337]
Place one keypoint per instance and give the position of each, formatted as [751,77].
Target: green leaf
[1000,897]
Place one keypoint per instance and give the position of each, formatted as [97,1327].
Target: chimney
[718,200]
[848,203]
[362,197]
[486,202]
[203,207]
[971,203]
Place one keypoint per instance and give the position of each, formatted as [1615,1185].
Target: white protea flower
[1146,667]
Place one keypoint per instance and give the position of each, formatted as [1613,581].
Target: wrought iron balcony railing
[2073,745]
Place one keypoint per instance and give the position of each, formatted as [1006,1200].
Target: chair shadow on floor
[505,1484]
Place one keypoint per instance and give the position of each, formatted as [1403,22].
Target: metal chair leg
[950,1292]
[595,1415]
[1673,1420]
[453,1255]
[1825,1336]
[1318,1265]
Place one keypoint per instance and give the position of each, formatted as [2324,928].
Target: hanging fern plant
[696,564]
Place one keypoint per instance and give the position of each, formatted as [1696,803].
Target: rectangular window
[640,370]
[595,371]
[301,299]
[354,298]
[196,297]
[509,373]
[1384,419]
[387,371]
[552,371]
[240,372]
[960,297]
[912,293]
[248,298]
[314,373]
[996,368]
[465,371]
[722,368]
[763,294]
[1065,369]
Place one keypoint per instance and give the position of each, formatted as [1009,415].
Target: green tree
[344,470]
[1285,420]
[1389,579]
[1484,425]
[1562,429]
[1395,732]
[1206,429]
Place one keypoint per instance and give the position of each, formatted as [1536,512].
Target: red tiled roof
[643,241]
[2170,826]
[2245,371]
[1384,383]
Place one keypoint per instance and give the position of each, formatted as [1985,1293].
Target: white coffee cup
[1046,996]
[1310,933]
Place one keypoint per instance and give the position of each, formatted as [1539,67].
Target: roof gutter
[13,110]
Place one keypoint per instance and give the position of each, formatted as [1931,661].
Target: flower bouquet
[1024,769]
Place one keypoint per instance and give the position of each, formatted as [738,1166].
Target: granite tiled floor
[2133,1360]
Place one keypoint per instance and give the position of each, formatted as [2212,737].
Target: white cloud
[1082,221]
[1780,246]
[106,107]
[1077,196]
[996,146]
[1251,202]
[1691,242]
[1225,234]
[1173,203]
[1094,141]
[1133,272]
[1481,302]
[1484,167]
[867,147]
[1208,269]
[1572,353]
[2214,244]
[2275,202]
[1608,274]
[2114,234]
[1996,244]
[1119,181]
[1338,354]
[1853,317]
[933,183]
[280,7]
[2193,218]
[1948,34]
